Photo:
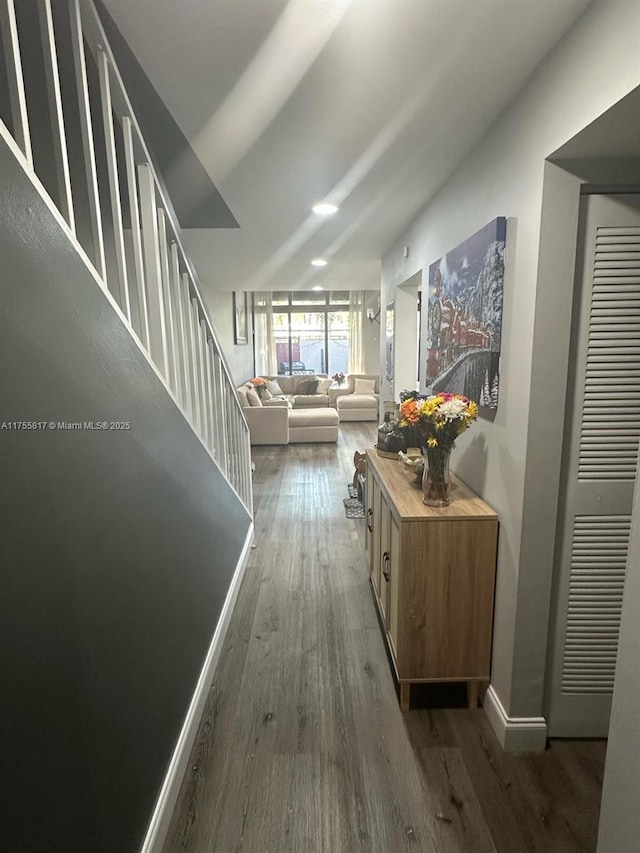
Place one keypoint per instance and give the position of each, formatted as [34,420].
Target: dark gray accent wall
[117,549]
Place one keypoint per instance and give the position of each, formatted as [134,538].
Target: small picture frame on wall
[240,332]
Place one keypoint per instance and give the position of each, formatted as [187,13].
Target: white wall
[371,332]
[594,66]
[405,344]
[239,358]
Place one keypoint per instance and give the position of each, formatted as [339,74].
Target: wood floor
[303,746]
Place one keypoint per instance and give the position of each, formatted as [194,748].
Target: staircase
[125,465]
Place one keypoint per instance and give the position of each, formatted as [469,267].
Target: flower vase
[435,478]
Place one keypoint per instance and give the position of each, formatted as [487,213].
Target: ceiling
[370,104]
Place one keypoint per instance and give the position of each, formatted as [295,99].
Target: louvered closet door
[599,472]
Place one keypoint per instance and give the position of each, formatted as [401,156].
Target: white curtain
[356,320]
[266,363]
[270,342]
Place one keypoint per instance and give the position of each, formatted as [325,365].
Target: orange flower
[410,413]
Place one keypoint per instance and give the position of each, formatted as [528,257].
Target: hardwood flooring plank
[455,798]
[574,793]
[520,808]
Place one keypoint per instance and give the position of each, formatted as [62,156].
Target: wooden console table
[433,578]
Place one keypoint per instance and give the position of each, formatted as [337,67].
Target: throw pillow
[312,386]
[266,394]
[274,387]
[364,386]
[323,386]
[254,398]
[242,396]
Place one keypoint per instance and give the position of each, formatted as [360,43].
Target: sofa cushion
[313,401]
[301,383]
[286,384]
[253,397]
[323,386]
[278,401]
[274,388]
[358,407]
[357,401]
[364,386]
[242,396]
[313,417]
[351,381]
[307,386]
[310,425]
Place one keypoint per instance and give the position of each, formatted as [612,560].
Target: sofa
[360,399]
[276,421]
[296,389]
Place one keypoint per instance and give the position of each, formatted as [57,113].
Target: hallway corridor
[303,746]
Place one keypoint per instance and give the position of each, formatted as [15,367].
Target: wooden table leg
[405,695]
[472,693]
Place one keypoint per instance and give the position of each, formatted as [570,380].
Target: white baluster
[86,131]
[157,327]
[197,363]
[15,80]
[134,212]
[59,138]
[174,379]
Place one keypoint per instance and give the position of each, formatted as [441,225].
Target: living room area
[315,362]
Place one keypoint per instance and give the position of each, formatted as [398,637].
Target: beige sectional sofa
[290,419]
[296,416]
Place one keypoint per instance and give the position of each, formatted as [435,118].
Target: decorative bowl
[413,461]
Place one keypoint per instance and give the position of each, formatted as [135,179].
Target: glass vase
[435,479]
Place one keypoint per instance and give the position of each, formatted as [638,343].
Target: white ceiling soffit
[369,103]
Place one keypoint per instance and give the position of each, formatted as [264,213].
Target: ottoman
[313,425]
[357,407]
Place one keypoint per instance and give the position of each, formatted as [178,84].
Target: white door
[599,468]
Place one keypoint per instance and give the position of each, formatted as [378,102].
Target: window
[311,332]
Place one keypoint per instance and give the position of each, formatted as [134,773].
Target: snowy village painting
[464,320]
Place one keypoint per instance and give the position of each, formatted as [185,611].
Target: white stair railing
[129,233]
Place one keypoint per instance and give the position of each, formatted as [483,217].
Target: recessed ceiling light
[318,287]
[324,208]
[319,262]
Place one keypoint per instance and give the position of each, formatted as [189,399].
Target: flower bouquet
[260,384]
[437,421]
[339,378]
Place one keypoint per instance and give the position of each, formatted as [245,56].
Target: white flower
[452,410]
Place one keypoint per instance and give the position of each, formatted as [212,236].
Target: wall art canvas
[464,317]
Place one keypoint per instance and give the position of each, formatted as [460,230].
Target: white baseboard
[515,734]
[159,824]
